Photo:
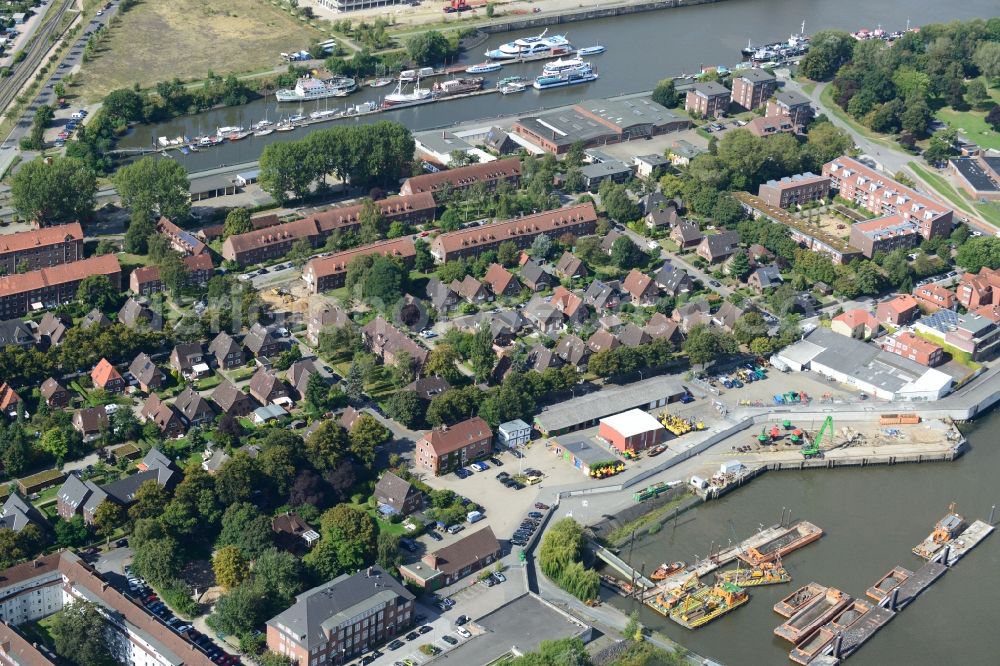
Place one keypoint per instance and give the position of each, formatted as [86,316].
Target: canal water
[872,517]
[642,49]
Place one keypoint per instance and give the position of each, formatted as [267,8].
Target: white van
[474,516]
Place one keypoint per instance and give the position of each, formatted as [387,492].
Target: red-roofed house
[106,377]
[41,248]
[488,173]
[856,323]
[443,449]
[569,304]
[935,297]
[991,312]
[909,346]
[897,311]
[501,281]
[330,272]
[199,267]
[54,285]
[9,400]
[975,290]
[145,280]
[640,287]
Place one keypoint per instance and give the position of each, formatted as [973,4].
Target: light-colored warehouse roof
[631,423]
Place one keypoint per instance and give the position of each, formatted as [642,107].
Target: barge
[707,604]
[815,614]
[798,599]
[817,643]
[944,531]
[801,534]
[769,573]
[887,583]
[960,546]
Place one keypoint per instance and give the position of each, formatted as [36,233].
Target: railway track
[28,67]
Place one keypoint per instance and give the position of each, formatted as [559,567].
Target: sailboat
[398,98]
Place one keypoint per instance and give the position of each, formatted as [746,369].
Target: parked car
[455,529]
[450,640]
[413,635]
[535,514]
[462,473]
[500,577]
[462,619]
[496,461]
[434,535]
[424,629]
[502,475]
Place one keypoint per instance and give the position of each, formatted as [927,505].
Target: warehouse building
[633,431]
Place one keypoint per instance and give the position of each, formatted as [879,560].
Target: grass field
[989,212]
[157,41]
[972,124]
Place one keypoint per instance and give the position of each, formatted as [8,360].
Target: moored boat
[398,98]
[656,450]
[511,88]
[484,68]
[547,81]
[308,88]
[526,47]
[945,531]
[379,83]
[562,66]
[591,50]
[666,570]
[458,86]
[264,131]
[708,604]
[769,573]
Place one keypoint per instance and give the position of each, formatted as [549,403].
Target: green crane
[812,449]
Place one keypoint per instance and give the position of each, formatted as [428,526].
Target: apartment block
[794,190]
[917,349]
[709,99]
[53,286]
[41,248]
[792,104]
[753,87]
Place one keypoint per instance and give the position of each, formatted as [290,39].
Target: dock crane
[811,449]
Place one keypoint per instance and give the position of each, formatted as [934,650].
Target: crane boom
[812,449]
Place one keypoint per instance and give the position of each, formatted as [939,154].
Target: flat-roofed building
[707,98]
[978,175]
[752,87]
[579,220]
[794,190]
[884,234]
[792,104]
[634,430]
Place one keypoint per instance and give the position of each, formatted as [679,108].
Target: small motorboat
[484,68]
[378,83]
[264,132]
[666,570]
[591,50]
[513,87]
[656,450]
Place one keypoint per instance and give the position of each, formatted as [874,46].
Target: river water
[872,517]
[642,49]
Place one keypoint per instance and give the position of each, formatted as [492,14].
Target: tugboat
[666,570]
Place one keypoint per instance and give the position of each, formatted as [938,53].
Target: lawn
[157,41]
[988,212]
[973,125]
[826,97]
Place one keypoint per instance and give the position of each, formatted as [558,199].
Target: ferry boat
[591,50]
[308,88]
[546,81]
[707,604]
[527,47]
[484,68]
[666,570]
[398,98]
[561,66]
[457,86]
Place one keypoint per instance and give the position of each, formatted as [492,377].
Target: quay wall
[587,14]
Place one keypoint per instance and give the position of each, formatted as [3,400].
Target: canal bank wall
[588,14]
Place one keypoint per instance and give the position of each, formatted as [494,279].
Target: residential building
[792,104]
[199,267]
[348,418]
[794,190]
[54,394]
[764,127]
[51,330]
[499,142]
[341,619]
[188,359]
[640,288]
[456,180]
[726,316]
[15,333]
[293,533]
[145,281]
[41,248]
[573,351]
[330,272]
[633,431]
[194,409]
[664,215]
[752,87]
[579,220]
[764,278]
[268,413]
[136,314]
[442,297]
[603,340]
[52,286]
[681,152]
[501,281]
[897,311]
[298,376]
[95,318]
[387,342]
[708,99]
[686,234]
[535,277]
[659,327]
[514,433]
[570,266]
[323,317]
[227,352]
[569,304]
[673,281]
[631,335]
[16,513]
[266,388]
[882,195]
[10,401]
[602,295]
[614,170]
[691,314]
[976,334]
[78,497]
[428,387]
[145,373]
[934,296]
[471,290]
[180,240]
[166,418]
[908,345]
[232,401]
[260,343]
[543,316]
[104,376]
[397,496]
[649,165]
[275,241]
[976,290]
[718,247]
[885,234]
[856,323]
[91,422]
[443,449]
[454,562]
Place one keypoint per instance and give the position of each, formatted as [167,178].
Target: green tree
[665,93]
[385,282]
[155,187]
[108,517]
[326,445]
[366,435]
[62,191]
[739,265]
[704,344]
[140,229]
[617,203]
[149,501]
[71,533]
[405,407]
[230,567]
[481,356]
[56,444]
[237,222]
[387,551]
[373,225]
[978,252]
[82,635]
[246,528]
[541,246]
[749,326]
[287,168]
[507,253]
[993,118]
[158,559]
[828,50]
[441,362]
[987,59]
[96,291]
[428,48]
[348,542]
[625,254]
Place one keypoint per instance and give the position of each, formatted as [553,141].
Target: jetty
[622,567]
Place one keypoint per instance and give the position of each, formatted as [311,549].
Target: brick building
[324,273]
[444,449]
[882,195]
[792,104]
[975,290]
[794,190]
[908,345]
[387,343]
[579,220]
[488,173]
[934,297]
[884,234]
[41,248]
[752,87]
[708,98]
[897,311]
[54,285]
[454,562]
